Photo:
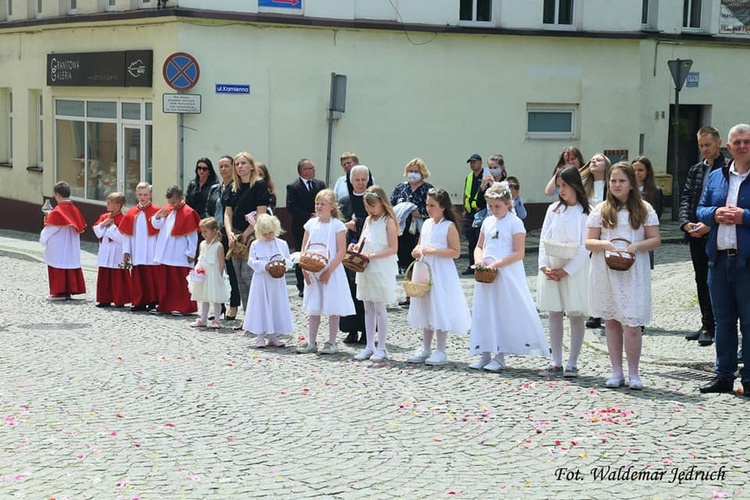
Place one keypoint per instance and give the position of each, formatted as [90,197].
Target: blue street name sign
[229,88]
[693,79]
[286,4]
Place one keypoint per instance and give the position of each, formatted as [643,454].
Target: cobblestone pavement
[111,404]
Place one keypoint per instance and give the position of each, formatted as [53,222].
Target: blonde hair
[209,223]
[327,195]
[116,197]
[144,185]
[420,164]
[236,178]
[499,191]
[377,193]
[267,224]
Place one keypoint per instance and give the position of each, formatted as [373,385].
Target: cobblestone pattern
[111,404]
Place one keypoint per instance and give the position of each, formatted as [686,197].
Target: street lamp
[679,69]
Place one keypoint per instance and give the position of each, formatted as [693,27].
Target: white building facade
[83,85]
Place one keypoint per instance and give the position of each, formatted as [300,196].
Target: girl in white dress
[376,286]
[268,300]
[327,291]
[213,288]
[563,280]
[444,307]
[622,298]
[505,320]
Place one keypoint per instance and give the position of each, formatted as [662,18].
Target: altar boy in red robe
[112,282]
[61,239]
[175,251]
[139,248]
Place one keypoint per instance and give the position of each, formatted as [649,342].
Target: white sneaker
[329,348]
[419,356]
[364,354]
[438,358]
[306,348]
[479,364]
[494,366]
[380,355]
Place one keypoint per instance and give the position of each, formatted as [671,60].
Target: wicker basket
[619,260]
[276,267]
[412,288]
[562,250]
[313,262]
[355,261]
[484,274]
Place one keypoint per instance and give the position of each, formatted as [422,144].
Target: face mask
[414,176]
[496,172]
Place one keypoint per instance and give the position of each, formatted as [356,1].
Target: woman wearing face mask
[353,208]
[414,190]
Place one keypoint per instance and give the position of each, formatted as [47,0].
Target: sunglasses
[202,169]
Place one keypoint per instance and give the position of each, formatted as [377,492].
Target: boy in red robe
[138,247]
[61,239]
[112,282]
[176,247]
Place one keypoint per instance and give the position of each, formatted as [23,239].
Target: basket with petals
[354,260]
[276,267]
[484,273]
[197,275]
[314,260]
[417,288]
[619,260]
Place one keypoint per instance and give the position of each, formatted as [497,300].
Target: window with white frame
[475,11]
[551,121]
[649,9]
[39,8]
[103,146]
[558,12]
[72,6]
[10,127]
[111,4]
[5,120]
[39,120]
[145,3]
[692,13]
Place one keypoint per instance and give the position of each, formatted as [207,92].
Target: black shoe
[718,384]
[352,338]
[362,339]
[694,335]
[406,302]
[301,293]
[593,322]
[141,307]
[705,338]
[104,304]
[469,272]
[151,306]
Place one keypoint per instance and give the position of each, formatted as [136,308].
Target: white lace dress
[505,319]
[378,281]
[570,294]
[624,296]
[444,307]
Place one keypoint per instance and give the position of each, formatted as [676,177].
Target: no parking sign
[181,71]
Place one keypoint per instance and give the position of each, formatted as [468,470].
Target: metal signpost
[679,69]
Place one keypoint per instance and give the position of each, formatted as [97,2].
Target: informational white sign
[181,103]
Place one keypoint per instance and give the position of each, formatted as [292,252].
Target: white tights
[204,311]
[442,337]
[333,328]
[577,332]
[376,318]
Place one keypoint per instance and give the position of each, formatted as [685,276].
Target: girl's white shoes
[420,356]
[494,366]
[479,364]
[379,355]
[372,355]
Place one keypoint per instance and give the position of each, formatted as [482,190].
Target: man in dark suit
[300,203]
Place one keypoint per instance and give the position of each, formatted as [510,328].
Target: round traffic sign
[181,71]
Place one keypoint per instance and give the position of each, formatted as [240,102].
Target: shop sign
[131,68]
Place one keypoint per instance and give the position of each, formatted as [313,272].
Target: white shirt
[726,235]
[62,247]
[173,250]
[110,249]
[140,246]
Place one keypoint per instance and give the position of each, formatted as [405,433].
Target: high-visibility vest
[470,204]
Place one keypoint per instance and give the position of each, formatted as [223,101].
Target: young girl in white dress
[444,308]
[563,280]
[622,298]
[213,288]
[376,286]
[505,320]
[268,300]
[327,291]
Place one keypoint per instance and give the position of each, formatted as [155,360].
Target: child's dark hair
[443,199]
[513,183]
[117,198]
[572,177]
[62,188]
[174,192]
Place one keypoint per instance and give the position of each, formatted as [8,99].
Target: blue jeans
[729,287]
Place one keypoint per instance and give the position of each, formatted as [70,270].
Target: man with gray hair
[725,208]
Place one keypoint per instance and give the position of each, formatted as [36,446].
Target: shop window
[558,12]
[99,147]
[551,121]
[691,13]
[479,11]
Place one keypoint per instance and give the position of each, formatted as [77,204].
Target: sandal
[214,325]
[198,323]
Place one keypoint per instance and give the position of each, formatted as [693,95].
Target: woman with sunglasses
[197,191]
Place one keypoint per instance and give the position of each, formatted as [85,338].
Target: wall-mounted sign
[229,88]
[181,103]
[286,4]
[735,17]
[181,71]
[693,79]
[132,68]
